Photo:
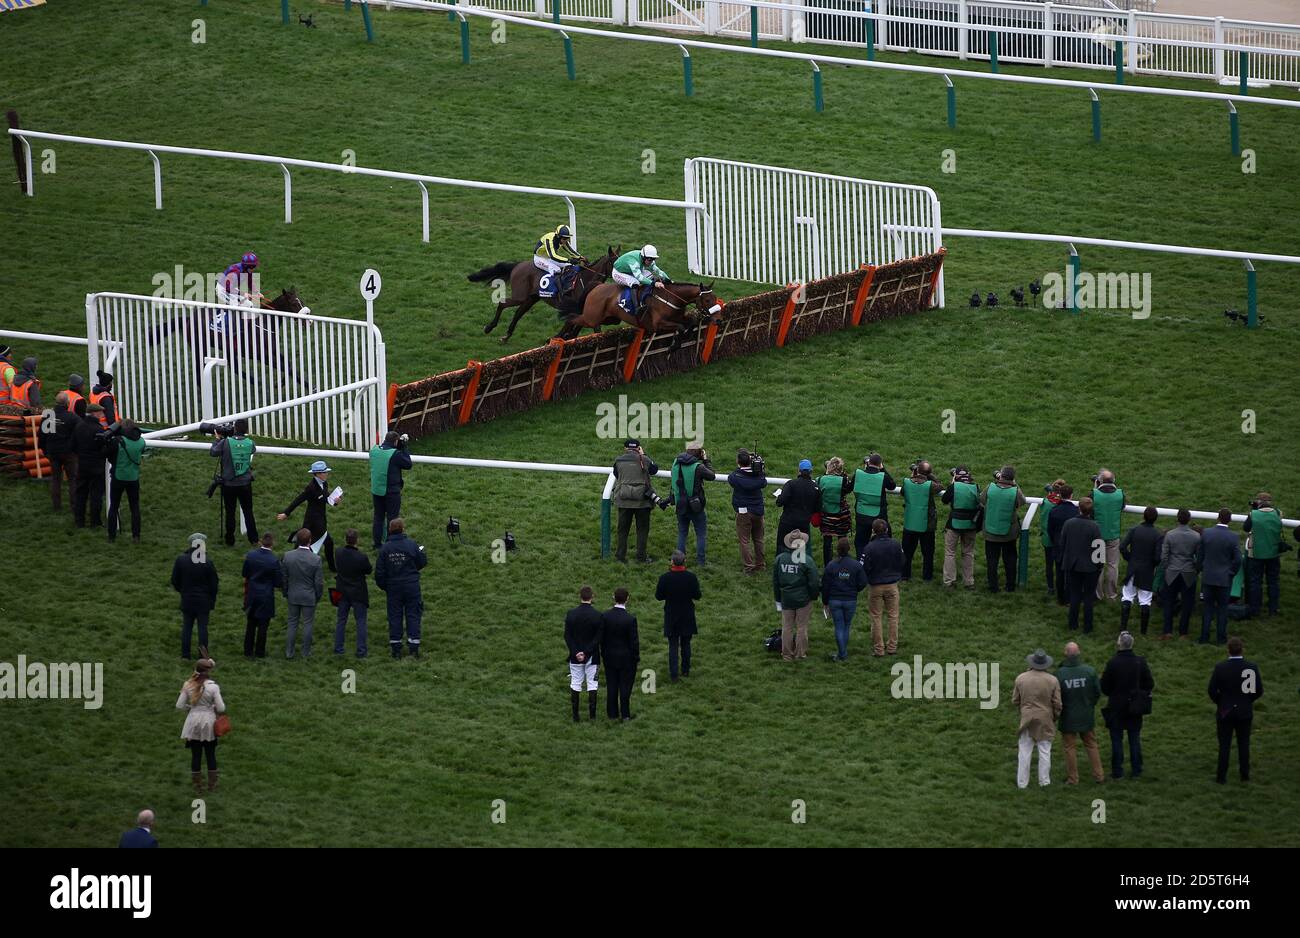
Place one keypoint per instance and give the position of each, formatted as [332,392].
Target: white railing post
[633,12]
[1049,41]
[27,161]
[92,335]
[424,212]
[882,24]
[205,386]
[711,18]
[539,7]
[157,181]
[573,222]
[692,219]
[963,32]
[618,12]
[1218,53]
[288,195]
[1132,46]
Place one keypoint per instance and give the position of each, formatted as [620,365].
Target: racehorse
[524,279]
[664,311]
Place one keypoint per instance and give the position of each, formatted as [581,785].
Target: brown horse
[525,278]
[664,311]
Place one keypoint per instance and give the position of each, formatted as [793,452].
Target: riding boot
[196,779]
[1123,616]
[1146,618]
[591,705]
[396,648]
[574,697]
[213,775]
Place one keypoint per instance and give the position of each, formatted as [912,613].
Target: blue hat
[805,464]
[319,466]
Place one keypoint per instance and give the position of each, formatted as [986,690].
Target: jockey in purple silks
[235,286]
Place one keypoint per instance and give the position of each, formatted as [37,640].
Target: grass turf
[418,754]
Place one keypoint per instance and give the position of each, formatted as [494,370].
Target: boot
[196,778]
[396,648]
[591,705]
[213,775]
[574,697]
[413,649]
[1146,618]
[1123,616]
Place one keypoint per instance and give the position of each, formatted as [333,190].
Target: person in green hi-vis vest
[1108,508]
[1263,554]
[833,489]
[959,531]
[235,450]
[128,451]
[387,463]
[870,483]
[1002,502]
[919,518]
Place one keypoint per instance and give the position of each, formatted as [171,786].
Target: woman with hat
[201,696]
[316,495]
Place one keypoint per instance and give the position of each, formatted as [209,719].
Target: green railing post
[1252,298]
[753,27]
[464,41]
[686,73]
[555,11]
[952,103]
[1234,131]
[1119,62]
[604,528]
[451,15]
[1074,281]
[568,58]
[284,12]
[871,35]
[347,5]
[1243,69]
[1022,576]
[993,52]
[365,18]
[1096,116]
[817,88]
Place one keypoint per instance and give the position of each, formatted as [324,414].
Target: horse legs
[678,335]
[524,307]
[496,318]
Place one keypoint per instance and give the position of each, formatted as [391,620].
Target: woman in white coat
[201,696]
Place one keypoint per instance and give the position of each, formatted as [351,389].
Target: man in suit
[677,590]
[354,592]
[1235,685]
[1178,555]
[1057,516]
[194,576]
[582,632]
[1127,683]
[142,834]
[262,578]
[304,585]
[1217,558]
[1082,554]
[1140,549]
[620,649]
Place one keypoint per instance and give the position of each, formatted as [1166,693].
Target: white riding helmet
[649,252]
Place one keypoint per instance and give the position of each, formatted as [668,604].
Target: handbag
[222,726]
[1139,702]
[816,519]
[335,596]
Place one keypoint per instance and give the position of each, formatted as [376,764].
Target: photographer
[835,515]
[127,446]
[634,497]
[747,482]
[1262,555]
[1108,507]
[959,531]
[387,463]
[689,473]
[92,450]
[920,518]
[1002,502]
[870,483]
[235,450]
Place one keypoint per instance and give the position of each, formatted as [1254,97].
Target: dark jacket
[1141,548]
[883,561]
[798,500]
[1124,674]
[27,375]
[747,490]
[620,645]
[90,449]
[196,582]
[315,495]
[678,589]
[221,448]
[682,500]
[1074,545]
[353,567]
[58,442]
[398,462]
[137,837]
[1219,556]
[399,562]
[108,403]
[1226,685]
[1056,519]
[843,578]
[794,585]
[582,629]
[1080,692]
[262,579]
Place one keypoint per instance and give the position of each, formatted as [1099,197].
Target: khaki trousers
[749,531]
[794,632]
[966,541]
[1072,760]
[1108,582]
[884,599]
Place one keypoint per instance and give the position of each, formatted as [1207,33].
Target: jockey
[553,253]
[637,269]
[235,286]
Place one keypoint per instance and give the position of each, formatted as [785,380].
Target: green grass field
[419,753]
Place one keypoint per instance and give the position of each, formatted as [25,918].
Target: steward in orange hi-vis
[26,389]
[76,384]
[102,394]
[8,372]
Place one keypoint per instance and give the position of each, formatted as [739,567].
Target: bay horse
[664,311]
[525,277]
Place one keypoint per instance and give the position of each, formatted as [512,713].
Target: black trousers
[199,748]
[861,532]
[62,464]
[188,620]
[386,508]
[625,518]
[679,644]
[1082,588]
[132,490]
[243,496]
[926,540]
[1226,728]
[1215,605]
[1049,567]
[1182,592]
[618,690]
[255,636]
[1006,550]
[89,488]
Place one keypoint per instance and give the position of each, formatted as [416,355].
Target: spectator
[1127,684]
[1080,692]
[634,497]
[959,531]
[397,573]
[262,577]
[1051,499]
[883,565]
[127,448]
[1037,695]
[678,589]
[836,518]
[689,473]
[236,454]
[582,634]
[1108,505]
[142,834]
[101,395]
[794,585]
[317,498]
[1140,549]
[620,649]
[26,389]
[76,390]
[8,373]
[1218,558]
[1082,553]
[919,519]
[1235,685]
[56,441]
[870,483]
[92,453]
[1178,556]
[201,696]
[1002,502]
[194,576]
[387,463]
[1056,520]
[797,499]
[304,585]
[1264,525]
[842,581]
[747,482]
[354,592]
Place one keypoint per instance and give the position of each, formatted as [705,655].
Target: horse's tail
[499,271]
